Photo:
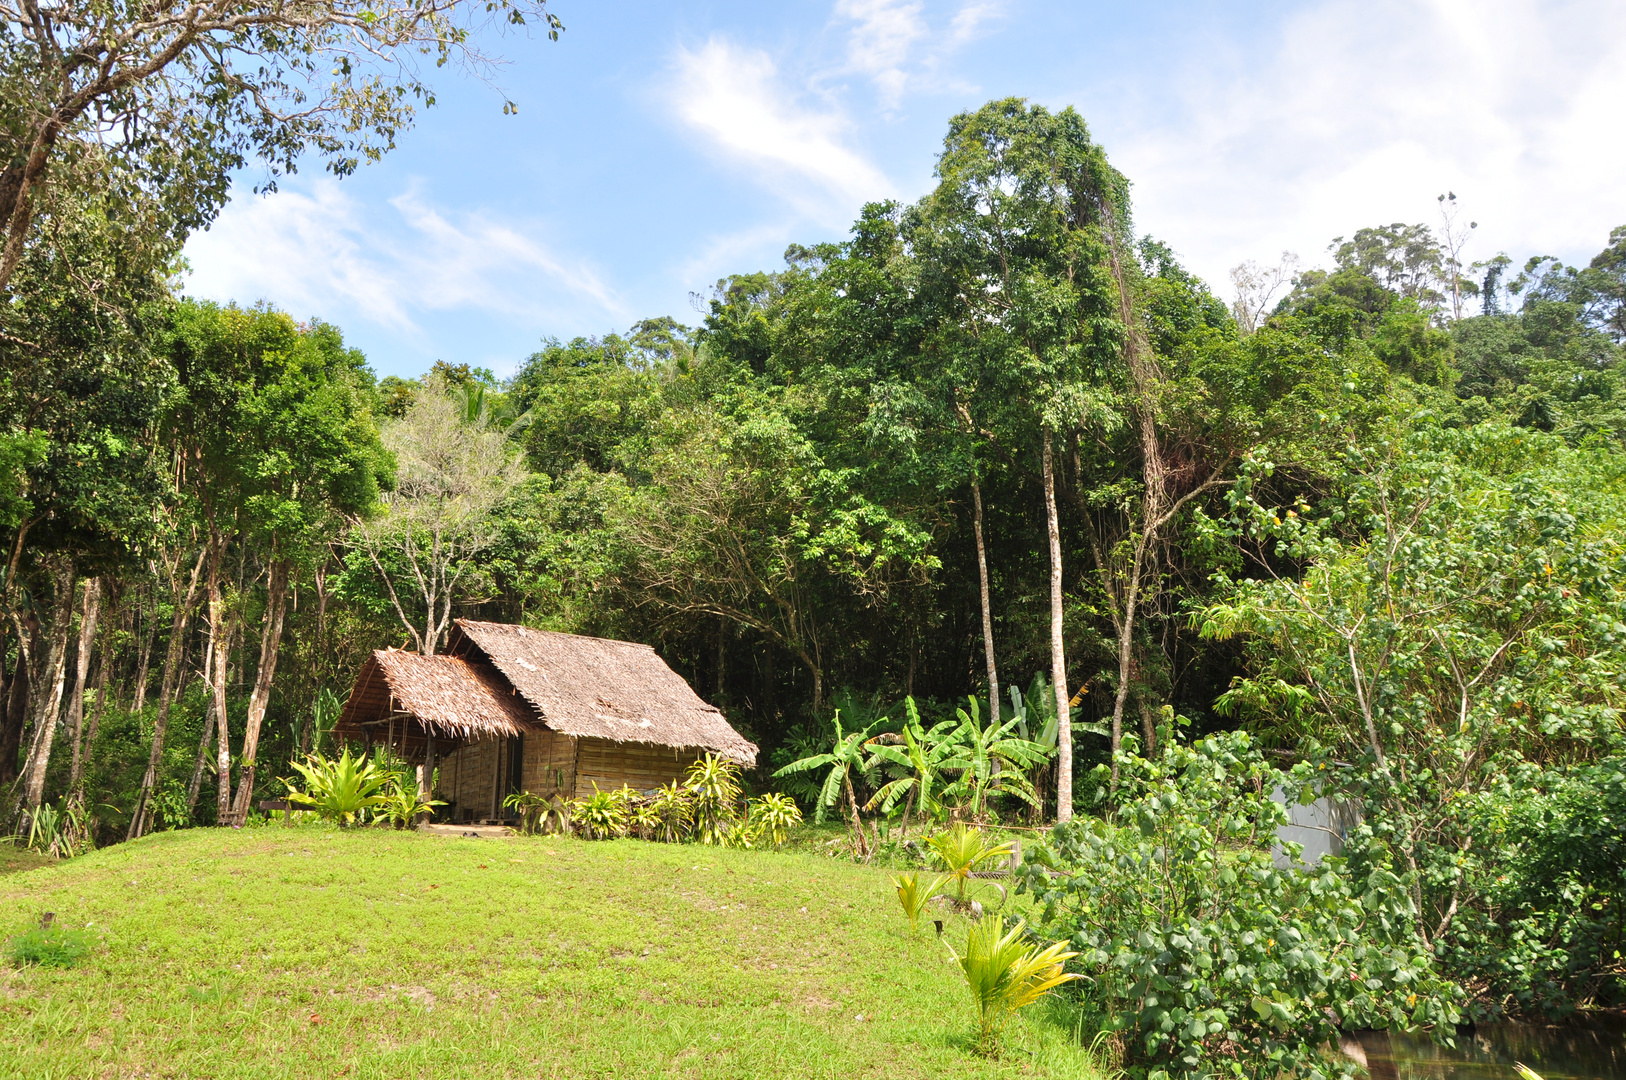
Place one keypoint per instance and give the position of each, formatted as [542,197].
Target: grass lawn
[309,952]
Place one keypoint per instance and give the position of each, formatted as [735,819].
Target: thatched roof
[597,688]
[452,697]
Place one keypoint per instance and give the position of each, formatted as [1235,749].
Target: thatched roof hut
[524,709]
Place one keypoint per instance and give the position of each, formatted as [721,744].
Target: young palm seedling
[913,897]
[1006,974]
[961,851]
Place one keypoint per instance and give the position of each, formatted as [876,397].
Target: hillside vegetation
[305,951]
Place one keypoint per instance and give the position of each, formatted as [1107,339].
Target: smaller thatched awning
[450,697]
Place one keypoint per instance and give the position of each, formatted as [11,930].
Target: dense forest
[1368,514]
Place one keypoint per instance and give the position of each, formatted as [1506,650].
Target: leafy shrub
[603,815]
[714,791]
[670,807]
[52,946]
[774,814]
[1551,868]
[1005,974]
[1204,953]
[401,804]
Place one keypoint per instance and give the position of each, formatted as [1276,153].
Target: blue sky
[659,147]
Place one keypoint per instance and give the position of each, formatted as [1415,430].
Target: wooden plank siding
[640,766]
[474,778]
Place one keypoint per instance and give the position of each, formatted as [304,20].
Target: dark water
[1592,1047]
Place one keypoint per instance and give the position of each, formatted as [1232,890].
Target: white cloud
[1359,113]
[319,252]
[736,98]
[881,40]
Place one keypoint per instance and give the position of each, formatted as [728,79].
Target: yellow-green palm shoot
[1525,1072]
[913,897]
[1005,974]
[961,851]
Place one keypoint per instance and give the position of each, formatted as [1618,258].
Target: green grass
[310,952]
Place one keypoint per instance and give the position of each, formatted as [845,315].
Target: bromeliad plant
[1005,974]
[339,788]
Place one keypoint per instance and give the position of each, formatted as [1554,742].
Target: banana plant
[921,754]
[843,758]
[989,759]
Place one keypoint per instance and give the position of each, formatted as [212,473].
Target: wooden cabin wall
[475,776]
[640,766]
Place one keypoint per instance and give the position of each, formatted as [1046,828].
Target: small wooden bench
[284,805]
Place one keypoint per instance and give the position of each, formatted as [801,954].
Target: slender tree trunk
[143,661]
[102,670]
[76,703]
[1146,379]
[166,693]
[54,672]
[1058,654]
[987,604]
[195,785]
[270,642]
[220,636]
[11,735]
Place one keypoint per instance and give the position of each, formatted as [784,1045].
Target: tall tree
[1016,223]
[174,98]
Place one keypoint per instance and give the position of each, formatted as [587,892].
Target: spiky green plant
[339,788]
[603,815]
[1005,974]
[775,814]
[401,805]
[671,804]
[714,791]
[913,897]
[961,851]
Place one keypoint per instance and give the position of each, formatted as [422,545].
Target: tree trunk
[195,785]
[144,660]
[987,604]
[1145,378]
[76,704]
[11,735]
[102,670]
[220,635]
[270,642]
[166,693]
[858,822]
[1058,654]
[48,705]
